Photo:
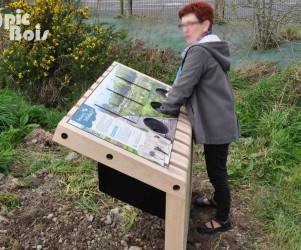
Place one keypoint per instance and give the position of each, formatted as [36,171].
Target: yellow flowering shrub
[73,52]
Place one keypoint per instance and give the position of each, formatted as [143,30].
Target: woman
[202,84]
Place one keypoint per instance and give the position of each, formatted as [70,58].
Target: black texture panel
[132,191]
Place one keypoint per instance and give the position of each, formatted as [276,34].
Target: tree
[219,10]
[264,23]
[121,7]
[270,17]
[129,8]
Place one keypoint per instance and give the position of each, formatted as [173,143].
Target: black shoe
[225,226]
[199,201]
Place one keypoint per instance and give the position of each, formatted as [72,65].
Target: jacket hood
[220,51]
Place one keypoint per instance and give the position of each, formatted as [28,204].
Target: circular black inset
[156,125]
[176,187]
[155,105]
[162,92]
[109,156]
[64,136]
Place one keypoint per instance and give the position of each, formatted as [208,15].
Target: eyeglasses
[189,24]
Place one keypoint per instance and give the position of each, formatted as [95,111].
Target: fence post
[130,8]
[219,10]
[121,7]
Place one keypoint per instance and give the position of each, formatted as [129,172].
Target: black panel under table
[131,191]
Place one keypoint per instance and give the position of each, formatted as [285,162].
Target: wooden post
[219,10]
[121,7]
[177,216]
[129,8]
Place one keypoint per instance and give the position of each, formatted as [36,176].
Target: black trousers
[216,159]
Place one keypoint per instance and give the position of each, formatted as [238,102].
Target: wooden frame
[175,181]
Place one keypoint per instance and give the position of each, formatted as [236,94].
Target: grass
[279,206]
[17,119]
[80,183]
[269,154]
[13,106]
[291,32]
[90,203]
[8,202]
[130,216]
[79,178]
[270,114]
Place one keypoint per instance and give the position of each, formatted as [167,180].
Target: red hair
[202,10]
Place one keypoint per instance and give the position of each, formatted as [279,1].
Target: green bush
[57,71]
[291,32]
[74,52]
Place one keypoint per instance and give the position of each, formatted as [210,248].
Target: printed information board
[122,110]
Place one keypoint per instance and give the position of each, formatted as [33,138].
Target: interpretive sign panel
[122,111]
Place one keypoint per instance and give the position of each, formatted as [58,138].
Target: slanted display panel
[122,110]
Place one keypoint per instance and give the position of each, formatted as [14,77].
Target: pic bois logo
[13,24]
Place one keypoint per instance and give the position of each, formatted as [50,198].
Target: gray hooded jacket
[204,87]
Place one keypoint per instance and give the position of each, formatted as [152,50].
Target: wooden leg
[175,235]
[177,213]
[177,220]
